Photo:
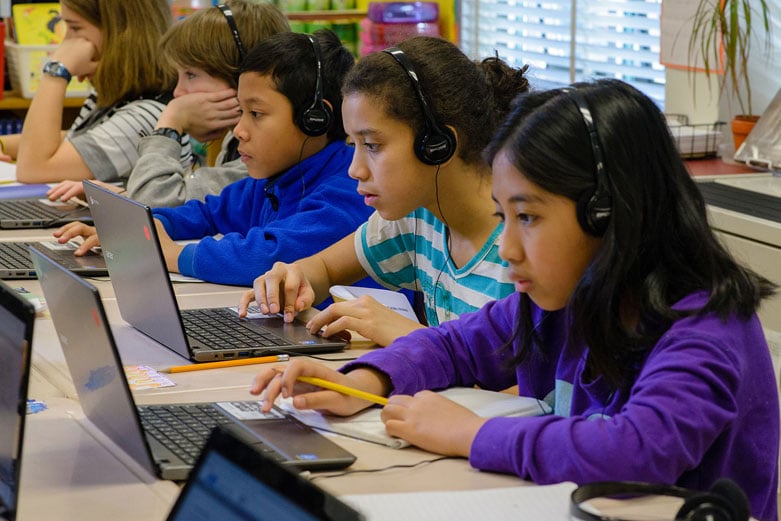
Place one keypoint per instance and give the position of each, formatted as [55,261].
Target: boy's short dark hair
[290,60]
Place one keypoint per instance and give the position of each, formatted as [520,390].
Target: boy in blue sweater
[298,198]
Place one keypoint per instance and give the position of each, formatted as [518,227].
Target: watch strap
[168,132]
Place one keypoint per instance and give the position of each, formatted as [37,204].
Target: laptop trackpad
[298,442]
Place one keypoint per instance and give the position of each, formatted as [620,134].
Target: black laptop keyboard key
[221,328]
[22,210]
[184,429]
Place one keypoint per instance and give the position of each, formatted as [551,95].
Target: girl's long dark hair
[658,246]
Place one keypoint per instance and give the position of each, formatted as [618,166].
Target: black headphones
[228,14]
[725,501]
[593,208]
[315,119]
[436,144]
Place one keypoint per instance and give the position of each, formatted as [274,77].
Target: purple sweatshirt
[704,404]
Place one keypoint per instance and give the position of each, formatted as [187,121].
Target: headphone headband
[437,144]
[594,208]
[316,119]
[228,14]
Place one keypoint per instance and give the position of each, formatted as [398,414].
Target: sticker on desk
[35,406]
[144,377]
[249,411]
[38,303]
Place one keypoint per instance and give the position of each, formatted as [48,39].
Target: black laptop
[164,439]
[16,335]
[147,302]
[40,213]
[15,262]
[234,482]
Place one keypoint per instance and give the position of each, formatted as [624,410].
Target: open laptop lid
[135,263]
[92,357]
[146,297]
[234,482]
[16,334]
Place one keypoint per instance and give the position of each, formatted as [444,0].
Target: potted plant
[721,36]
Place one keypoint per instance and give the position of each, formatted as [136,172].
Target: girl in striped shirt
[419,117]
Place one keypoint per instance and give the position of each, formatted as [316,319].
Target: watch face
[57,70]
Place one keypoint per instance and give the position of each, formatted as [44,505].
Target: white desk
[68,474]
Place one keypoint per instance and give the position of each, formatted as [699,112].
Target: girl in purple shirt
[630,319]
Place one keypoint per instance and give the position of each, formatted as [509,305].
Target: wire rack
[695,141]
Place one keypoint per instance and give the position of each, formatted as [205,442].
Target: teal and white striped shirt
[411,253]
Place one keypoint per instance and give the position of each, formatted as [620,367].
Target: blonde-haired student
[418,118]
[114,46]
[630,319]
[206,49]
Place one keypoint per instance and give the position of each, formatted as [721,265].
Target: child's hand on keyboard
[76,229]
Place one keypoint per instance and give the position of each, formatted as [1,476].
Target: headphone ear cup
[434,147]
[315,120]
[725,501]
[582,210]
[593,213]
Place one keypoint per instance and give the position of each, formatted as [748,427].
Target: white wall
[695,96]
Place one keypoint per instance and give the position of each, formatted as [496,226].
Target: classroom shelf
[12,101]
[336,15]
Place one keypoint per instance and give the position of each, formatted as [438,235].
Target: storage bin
[24,69]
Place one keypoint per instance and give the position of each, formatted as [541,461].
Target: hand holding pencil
[312,386]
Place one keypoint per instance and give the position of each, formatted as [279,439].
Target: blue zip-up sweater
[285,218]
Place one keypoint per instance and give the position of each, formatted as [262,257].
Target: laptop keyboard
[184,429]
[24,210]
[15,256]
[221,328]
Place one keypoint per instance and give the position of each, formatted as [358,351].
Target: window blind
[569,40]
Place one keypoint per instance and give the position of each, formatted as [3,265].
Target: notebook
[16,335]
[151,434]
[35,212]
[146,298]
[234,482]
[15,262]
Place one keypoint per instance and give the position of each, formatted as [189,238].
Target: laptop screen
[234,482]
[16,319]
[222,490]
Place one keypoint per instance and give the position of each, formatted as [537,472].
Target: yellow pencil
[226,363]
[339,388]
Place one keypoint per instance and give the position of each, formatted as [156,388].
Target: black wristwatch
[57,70]
[168,132]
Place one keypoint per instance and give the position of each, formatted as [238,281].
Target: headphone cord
[300,155]
[448,257]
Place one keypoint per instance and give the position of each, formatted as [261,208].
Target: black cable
[316,357]
[382,469]
[448,257]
